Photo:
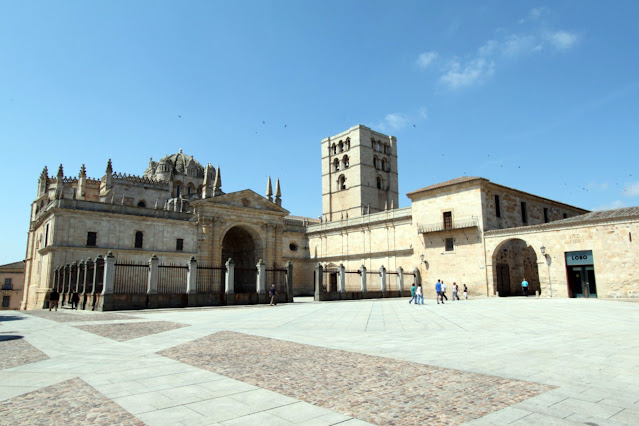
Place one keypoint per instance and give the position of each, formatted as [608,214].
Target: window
[565,215]
[346,162]
[8,285]
[450,244]
[5,301]
[177,191]
[334,149]
[139,237]
[46,236]
[524,213]
[375,161]
[348,143]
[341,183]
[379,182]
[546,220]
[384,165]
[448,220]
[341,146]
[141,204]
[293,247]
[179,244]
[336,165]
[92,238]
[497,206]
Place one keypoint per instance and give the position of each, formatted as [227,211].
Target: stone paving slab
[370,388]
[70,402]
[78,316]
[124,332]
[16,351]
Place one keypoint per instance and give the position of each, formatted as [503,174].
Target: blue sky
[542,97]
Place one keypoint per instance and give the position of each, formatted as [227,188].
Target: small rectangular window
[448,220]
[524,213]
[8,284]
[46,236]
[179,244]
[139,238]
[450,244]
[5,301]
[497,206]
[565,215]
[92,238]
[546,219]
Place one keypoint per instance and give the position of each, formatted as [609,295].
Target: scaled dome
[179,164]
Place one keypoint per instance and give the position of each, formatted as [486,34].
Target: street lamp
[547,256]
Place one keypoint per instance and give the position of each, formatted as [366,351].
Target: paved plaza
[480,362]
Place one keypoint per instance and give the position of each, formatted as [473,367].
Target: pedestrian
[420,296]
[444,292]
[75,298]
[273,292]
[455,290]
[524,287]
[54,298]
[465,292]
[438,290]
[412,294]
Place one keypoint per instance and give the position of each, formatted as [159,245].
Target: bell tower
[359,173]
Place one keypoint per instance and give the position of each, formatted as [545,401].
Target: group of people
[54,300]
[440,288]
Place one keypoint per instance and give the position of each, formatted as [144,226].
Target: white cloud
[475,71]
[424,60]
[537,13]
[631,189]
[617,204]
[562,40]
[397,121]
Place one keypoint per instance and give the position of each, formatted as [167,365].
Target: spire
[109,169]
[278,193]
[45,173]
[60,172]
[269,190]
[83,172]
[217,184]
[206,185]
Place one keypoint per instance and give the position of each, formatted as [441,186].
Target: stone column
[341,279]
[289,282]
[362,280]
[83,298]
[400,280]
[261,282]
[106,299]
[382,281]
[319,285]
[78,268]
[152,288]
[229,282]
[191,282]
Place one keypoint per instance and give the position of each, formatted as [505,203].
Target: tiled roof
[14,265]
[462,179]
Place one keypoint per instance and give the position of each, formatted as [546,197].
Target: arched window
[341,182]
[375,162]
[341,146]
[346,161]
[336,165]
[348,143]
[139,237]
[384,164]
[334,149]
[141,203]
[177,190]
[190,189]
[379,182]
[379,146]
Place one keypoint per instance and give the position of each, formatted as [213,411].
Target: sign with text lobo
[579,258]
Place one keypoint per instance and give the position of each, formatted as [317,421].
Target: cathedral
[173,237]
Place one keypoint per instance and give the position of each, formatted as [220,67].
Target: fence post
[400,280]
[289,282]
[319,285]
[152,288]
[106,301]
[83,298]
[382,283]
[78,267]
[229,281]
[342,279]
[261,281]
[362,280]
[191,282]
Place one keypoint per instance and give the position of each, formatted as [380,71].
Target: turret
[59,189]
[278,193]
[43,182]
[207,187]
[107,180]
[217,185]
[82,183]
[269,190]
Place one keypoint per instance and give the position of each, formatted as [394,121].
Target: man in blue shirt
[412,294]
[438,289]
[524,286]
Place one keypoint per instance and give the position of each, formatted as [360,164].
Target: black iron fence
[276,276]
[210,279]
[172,279]
[245,280]
[131,278]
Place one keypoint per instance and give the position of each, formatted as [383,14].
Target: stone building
[12,280]
[466,230]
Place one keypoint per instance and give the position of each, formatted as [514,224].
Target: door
[576,281]
[590,281]
[503,279]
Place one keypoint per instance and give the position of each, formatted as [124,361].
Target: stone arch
[244,245]
[513,260]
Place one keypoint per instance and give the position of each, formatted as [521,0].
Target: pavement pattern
[542,361]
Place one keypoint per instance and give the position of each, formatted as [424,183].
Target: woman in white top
[420,296]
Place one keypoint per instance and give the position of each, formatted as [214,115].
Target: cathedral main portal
[240,246]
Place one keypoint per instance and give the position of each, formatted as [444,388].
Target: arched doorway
[513,261]
[239,245]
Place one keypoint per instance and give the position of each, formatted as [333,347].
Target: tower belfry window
[336,165]
[379,182]
[341,146]
[341,182]
[346,162]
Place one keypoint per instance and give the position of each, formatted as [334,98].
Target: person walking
[54,298]
[420,296]
[455,291]
[524,287]
[273,292]
[465,292]
[444,292]
[412,294]
[438,290]
[75,299]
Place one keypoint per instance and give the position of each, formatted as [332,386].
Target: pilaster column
[106,299]
[400,280]
[261,281]
[341,277]
[362,279]
[382,283]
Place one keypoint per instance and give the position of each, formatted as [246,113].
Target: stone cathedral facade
[467,230]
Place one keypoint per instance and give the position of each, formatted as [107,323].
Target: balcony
[471,222]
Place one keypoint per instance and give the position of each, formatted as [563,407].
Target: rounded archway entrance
[513,261]
[239,245]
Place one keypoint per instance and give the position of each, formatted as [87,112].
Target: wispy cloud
[562,40]
[617,204]
[425,60]
[597,186]
[461,75]
[631,189]
[397,121]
